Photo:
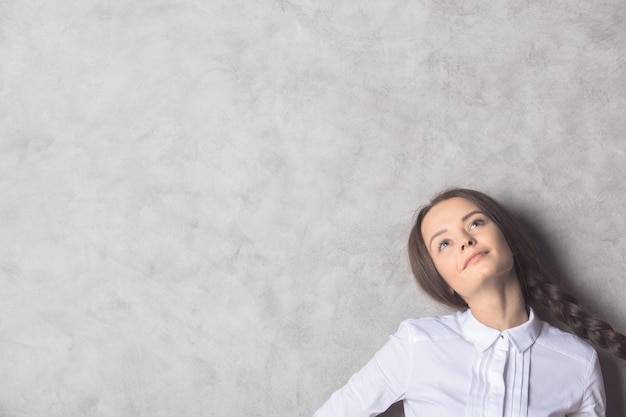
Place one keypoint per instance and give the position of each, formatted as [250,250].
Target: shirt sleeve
[593,403]
[379,384]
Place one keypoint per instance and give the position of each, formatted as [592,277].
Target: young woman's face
[467,248]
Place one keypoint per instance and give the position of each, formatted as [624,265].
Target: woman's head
[498,222]
[536,281]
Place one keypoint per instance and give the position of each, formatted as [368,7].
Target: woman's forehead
[446,213]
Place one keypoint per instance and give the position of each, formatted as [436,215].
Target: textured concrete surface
[205,203]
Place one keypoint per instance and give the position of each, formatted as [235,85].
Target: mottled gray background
[205,203]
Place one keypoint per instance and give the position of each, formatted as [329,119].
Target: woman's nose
[469,242]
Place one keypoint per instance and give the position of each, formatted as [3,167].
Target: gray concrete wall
[205,203]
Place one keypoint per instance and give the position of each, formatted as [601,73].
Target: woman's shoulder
[432,328]
[565,343]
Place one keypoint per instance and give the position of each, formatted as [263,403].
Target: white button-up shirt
[454,366]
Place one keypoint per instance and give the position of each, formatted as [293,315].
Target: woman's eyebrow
[470,214]
[435,235]
[464,218]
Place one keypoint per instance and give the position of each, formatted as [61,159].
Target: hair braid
[565,308]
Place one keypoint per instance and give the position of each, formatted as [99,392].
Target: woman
[494,356]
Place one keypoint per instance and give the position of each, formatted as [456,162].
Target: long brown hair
[536,280]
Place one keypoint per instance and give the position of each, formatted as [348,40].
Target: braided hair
[537,282]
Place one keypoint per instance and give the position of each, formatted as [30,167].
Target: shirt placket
[518,372]
[496,377]
[488,390]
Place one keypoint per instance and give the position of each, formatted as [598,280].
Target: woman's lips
[474,257]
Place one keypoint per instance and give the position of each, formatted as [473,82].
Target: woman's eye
[443,244]
[477,222]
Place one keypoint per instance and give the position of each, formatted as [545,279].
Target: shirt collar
[522,336]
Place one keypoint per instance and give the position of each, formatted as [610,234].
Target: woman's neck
[500,307]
